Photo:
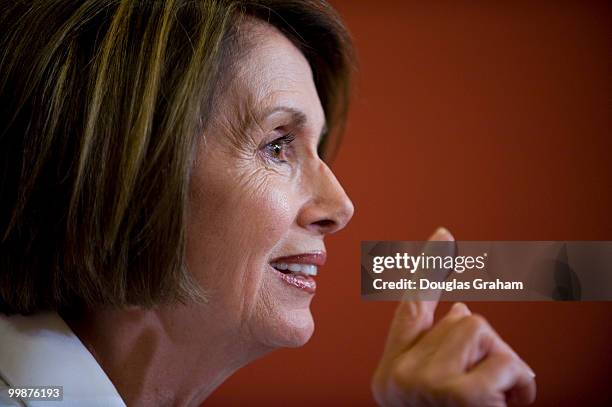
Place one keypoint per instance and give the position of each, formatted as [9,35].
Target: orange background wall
[492,119]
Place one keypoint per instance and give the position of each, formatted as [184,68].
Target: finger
[412,317]
[498,345]
[502,373]
[458,342]
[442,328]
[461,342]
[433,249]
[458,311]
[523,393]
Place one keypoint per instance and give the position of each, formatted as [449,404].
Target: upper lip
[316,258]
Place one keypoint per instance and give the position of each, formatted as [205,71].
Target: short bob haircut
[103,102]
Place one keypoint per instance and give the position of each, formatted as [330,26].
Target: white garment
[41,350]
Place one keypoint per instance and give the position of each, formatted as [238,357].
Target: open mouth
[299,270]
[296,269]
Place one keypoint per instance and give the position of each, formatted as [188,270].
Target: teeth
[295,267]
[308,269]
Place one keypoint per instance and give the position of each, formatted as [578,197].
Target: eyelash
[281,143]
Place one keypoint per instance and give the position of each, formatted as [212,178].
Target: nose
[328,208]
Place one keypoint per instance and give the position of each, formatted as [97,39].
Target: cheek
[272,215]
[235,221]
[257,211]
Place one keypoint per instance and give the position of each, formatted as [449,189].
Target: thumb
[412,317]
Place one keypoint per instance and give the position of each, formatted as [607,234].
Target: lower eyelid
[266,154]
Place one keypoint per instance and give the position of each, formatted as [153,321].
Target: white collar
[41,350]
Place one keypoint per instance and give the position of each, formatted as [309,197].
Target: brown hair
[103,102]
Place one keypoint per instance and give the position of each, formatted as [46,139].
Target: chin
[302,335]
[295,331]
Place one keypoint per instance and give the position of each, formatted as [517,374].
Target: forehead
[271,73]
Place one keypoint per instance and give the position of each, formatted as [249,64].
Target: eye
[277,149]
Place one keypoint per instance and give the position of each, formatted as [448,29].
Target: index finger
[414,314]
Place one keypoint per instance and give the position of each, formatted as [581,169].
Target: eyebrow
[298,118]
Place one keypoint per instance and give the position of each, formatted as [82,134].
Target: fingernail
[460,307]
[532,373]
[442,234]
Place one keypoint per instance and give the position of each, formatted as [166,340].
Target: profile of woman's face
[259,192]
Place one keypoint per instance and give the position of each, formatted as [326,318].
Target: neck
[155,357]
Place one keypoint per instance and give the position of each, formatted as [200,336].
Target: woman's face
[261,195]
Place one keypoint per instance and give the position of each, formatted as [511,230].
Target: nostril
[325,224]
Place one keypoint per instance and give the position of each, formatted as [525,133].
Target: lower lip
[307,284]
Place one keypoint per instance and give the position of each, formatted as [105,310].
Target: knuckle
[509,361]
[475,324]
[507,358]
